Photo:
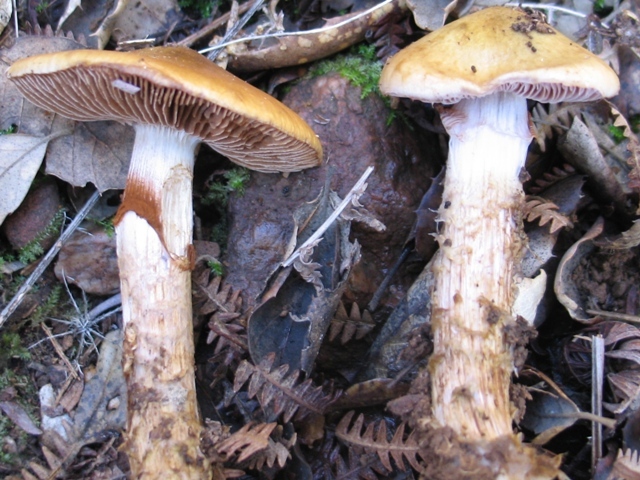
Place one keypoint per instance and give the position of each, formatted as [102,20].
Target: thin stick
[336,213]
[47,259]
[597,382]
[301,33]
[620,316]
[233,31]
[59,351]
[210,28]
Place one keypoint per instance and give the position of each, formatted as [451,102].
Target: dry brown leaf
[20,159]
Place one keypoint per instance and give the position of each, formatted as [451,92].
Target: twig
[301,33]
[233,31]
[211,27]
[620,316]
[597,382]
[59,351]
[47,259]
[548,8]
[356,190]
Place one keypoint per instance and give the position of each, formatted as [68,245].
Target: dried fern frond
[354,325]
[48,31]
[247,441]
[277,452]
[547,123]
[633,146]
[279,393]
[68,459]
[398,447]
[549,178]
[626,466]
[226,326]
[336,461]
[538,208]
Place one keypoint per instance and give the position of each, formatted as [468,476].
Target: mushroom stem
[154,229]
[480,250]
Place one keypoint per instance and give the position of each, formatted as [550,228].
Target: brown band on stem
[140,199]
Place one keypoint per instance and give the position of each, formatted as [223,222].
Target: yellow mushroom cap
[498,49]
[174,87]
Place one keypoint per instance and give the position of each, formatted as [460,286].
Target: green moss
[617,133]
[32,250]
[11,347]
[216,267]
[232,181]
[108,226]
[203,7]
[7,131]
[359,65]
[48,307]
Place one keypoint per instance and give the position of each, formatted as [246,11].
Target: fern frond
[547,123]
[280,393]
[398,447]
[633,146]
[246,442]
[354,325]
[626,466]
[538,208]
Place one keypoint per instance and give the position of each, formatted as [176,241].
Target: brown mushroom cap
[174,87]
[497,49]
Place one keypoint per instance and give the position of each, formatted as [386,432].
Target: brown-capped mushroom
[483,67]
[175,99]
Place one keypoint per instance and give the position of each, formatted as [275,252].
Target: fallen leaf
[293,321]
[95,20]
[100,151]
[19,416]
[20,159]
[5,13]
[93,415]
[89,261]
[96,152]
[145,18]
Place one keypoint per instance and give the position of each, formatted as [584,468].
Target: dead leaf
[100,151]
[96,152]
[5,13]
[14,109]
[145,18]
[95,20]
[430,15]
[20,159]
[293,321]
[549,411]
[580,148]
[564,285]
[19,416]
[93,414]
[89,261]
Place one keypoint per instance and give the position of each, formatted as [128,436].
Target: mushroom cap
[174,87]
[493,50]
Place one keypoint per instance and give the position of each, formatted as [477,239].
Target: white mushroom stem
[163,424]
[479,257]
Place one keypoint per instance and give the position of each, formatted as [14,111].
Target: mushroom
[483,67]
[175,99]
